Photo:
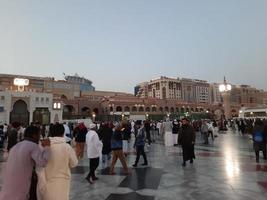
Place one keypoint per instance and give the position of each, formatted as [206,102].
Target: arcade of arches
[75,110]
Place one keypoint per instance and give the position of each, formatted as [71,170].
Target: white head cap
[92,126]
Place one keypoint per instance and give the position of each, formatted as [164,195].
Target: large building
[160,88]
[26,107]
[215,94]
[141,90]
[38,97]
[75,98]
[195,91]
[69,88]
[264,100]
[188,90]
[85,84]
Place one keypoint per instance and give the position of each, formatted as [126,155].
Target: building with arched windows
[47,100]
[26,107]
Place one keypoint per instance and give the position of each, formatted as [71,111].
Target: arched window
[172,110]
[134,109]
[147,109]
[166,109]
[118,109]
[160,109]
[141,109]
[86,111]
[96,111]
[154,109]
[126,109]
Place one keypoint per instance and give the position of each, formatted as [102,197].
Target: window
[164,95]
[157,86]
[134,109]
[154,93]
[2,98]
[37,99]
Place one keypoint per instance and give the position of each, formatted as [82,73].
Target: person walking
[148,129]
[187,137]
[5,129]
[2,138]
[94,148]
[242,126]
[67,133]
[205,132]
[80,136]
[259,139]
[105,134]
[160,128]
[175,131]
[57,171]
[12,135]
[139,144]
[210,130]
[168,138]
[23,157]
[126,136]
[153,131]
[117,152]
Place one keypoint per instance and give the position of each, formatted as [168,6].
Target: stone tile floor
[225,169]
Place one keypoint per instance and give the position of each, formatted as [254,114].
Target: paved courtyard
[225,169]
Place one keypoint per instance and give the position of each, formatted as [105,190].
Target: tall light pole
[225,89]
[94,115]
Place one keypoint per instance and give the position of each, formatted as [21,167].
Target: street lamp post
[94,115]
[225,89]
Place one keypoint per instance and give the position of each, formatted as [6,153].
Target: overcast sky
[119,43]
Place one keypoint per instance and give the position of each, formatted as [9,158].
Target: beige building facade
[27,107]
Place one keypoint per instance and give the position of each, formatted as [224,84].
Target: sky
[119,43]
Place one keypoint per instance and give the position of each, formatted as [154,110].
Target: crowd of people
[40,158]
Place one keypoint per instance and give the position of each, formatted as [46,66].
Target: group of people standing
[34,157]
[39,169]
